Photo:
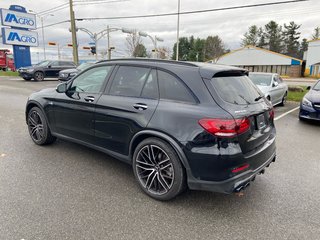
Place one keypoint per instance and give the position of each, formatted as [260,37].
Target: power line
[78,3]
[181,13]
[193,12]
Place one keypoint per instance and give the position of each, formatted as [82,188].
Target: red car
[6,60]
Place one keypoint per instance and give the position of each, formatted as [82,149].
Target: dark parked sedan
[310,104]
[67,74]
[45,69]
[179,124]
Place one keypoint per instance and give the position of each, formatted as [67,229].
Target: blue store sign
[19,35]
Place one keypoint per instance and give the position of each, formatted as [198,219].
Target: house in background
[261,60]
[312,57]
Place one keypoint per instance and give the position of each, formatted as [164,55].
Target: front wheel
[284,99]
[38,76]
[158,170]
[38,127]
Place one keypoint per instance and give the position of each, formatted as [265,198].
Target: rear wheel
[38,127]
[158,170]
[38,76]
[284,99]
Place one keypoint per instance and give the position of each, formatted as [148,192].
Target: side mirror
[308,88]
[49,66]
[62,87]
[275,84]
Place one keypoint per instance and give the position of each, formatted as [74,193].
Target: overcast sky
[230,25]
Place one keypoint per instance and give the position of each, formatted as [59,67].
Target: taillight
[271,114]
[225,127]
[240,169]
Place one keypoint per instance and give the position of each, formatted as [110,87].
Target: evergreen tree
[316,33]
[303,48]
[291,39]
[140,50]
[273,36]
[262,39]
[251,37]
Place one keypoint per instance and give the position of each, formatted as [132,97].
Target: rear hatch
[235,93]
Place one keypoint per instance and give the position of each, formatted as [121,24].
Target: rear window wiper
[258,98]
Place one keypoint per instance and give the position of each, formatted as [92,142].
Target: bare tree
[164,52]
[133,40]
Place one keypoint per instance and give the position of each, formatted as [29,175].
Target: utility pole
[178,26]
[108,42]
[74,34]
[44,44]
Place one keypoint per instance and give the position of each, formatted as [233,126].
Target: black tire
[38,76]
[162,177]
[284,99]
[38,127]
[27,79]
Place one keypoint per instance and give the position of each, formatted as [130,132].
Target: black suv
[45,69]
[179,124]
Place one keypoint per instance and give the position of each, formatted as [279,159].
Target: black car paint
[111,124]
[312,113]
[48,71]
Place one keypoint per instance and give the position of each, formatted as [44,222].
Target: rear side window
[129,81]
[236,89]
[172,88]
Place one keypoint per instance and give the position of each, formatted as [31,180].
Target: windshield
[236,89]
[261,79]
[317,86]
[84,66]
[43,63]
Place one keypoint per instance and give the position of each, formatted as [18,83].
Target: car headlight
[29,70]
[306,102]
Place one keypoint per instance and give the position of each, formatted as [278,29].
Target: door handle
[89,99]
[140,106]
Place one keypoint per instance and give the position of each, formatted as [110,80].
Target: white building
[261,60]
[312,57]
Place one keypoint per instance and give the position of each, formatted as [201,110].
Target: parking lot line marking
[286,113]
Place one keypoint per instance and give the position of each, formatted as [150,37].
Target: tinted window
[71,64]
[150,89]
[173,89]
[317,86]
[92,80]
[55,64]
[129,81]
[235,89]
[261,79]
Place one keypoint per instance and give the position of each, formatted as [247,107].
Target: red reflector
[239,169]
[271,114]
[225,127]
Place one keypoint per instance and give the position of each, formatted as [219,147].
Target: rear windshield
[236,89]
[317,86]
[261,79]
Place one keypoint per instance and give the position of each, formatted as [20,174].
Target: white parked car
[272,86]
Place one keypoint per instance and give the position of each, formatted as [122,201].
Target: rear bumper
[235,184]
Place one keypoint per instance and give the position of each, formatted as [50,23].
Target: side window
[173,89]
[129,81]
[276,78]
[69,64]
[54,64]
[92,80]
[150,89]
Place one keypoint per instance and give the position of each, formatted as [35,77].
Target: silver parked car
[272,86]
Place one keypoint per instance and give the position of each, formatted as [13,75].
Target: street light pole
[178,26]
[44,44]
[74,34]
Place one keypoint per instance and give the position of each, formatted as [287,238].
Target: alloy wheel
[154,169]
[35,126]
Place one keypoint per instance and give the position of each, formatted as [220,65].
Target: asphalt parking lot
[67,191]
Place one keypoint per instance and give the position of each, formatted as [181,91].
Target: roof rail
[151,60]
